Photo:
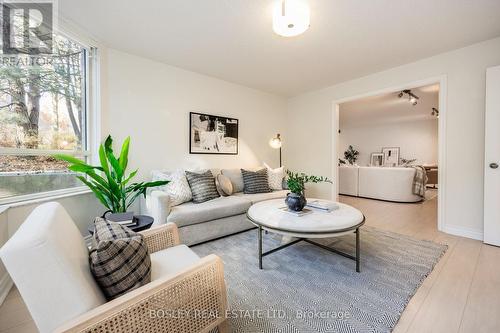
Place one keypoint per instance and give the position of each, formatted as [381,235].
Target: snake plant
[110,181]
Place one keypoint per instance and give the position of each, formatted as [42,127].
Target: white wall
[311,114]
[416,139]
[151,101]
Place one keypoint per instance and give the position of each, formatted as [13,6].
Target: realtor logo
[27,27]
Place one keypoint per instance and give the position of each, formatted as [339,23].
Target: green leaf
[124,154]
[104,160]
[81,168]
[132,175]
[108,143]
[114,188]
[96,192]
[69,159]
[116,168]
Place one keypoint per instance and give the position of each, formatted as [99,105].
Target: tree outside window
[42,110]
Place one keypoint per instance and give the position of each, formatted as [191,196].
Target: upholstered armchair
[48,260]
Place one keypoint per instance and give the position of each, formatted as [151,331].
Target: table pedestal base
[356,257]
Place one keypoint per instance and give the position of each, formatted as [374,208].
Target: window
[43,111]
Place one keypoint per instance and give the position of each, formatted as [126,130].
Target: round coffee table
[270,215]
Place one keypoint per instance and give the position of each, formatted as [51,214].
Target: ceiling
[233,39]
[389,108]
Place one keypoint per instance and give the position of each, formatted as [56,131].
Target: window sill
[29,199]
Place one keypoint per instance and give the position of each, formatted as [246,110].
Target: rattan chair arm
[161,237]
[185,302]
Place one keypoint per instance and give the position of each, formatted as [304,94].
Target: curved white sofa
[382,183]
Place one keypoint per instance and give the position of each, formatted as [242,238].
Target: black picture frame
[217,125]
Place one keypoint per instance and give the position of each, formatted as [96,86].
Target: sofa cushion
[202,186]
[119,259]
[224,185]
[171,261]
[254,198]
[255,181]
[178,188]
[236,179]
[192,213]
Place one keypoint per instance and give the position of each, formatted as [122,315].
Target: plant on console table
[296,200]
[109,181]
[351,155]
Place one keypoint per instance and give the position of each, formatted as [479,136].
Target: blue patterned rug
[304,288]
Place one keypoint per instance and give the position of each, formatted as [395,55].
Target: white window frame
[90,125]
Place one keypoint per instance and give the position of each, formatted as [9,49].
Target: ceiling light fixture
[412,98]
[291,17]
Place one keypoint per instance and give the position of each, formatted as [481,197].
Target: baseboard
[5,286]
[463,232]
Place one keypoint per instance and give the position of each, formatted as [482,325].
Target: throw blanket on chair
[419,181]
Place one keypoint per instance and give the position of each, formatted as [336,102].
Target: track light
[412,98]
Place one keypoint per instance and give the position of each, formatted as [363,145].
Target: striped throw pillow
[119,259]
[255,181]
[202,186]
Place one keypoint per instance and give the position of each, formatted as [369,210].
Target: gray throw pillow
[255,181]
[119,259]
[202,186]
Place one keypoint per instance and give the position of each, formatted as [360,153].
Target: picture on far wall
[377,159]
[211,134]
[391,156]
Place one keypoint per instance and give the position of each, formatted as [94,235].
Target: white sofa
[49,262]
[382,183]
[200,222]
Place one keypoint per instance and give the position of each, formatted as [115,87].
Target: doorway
[371,156]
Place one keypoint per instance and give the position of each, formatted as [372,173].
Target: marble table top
[270,215]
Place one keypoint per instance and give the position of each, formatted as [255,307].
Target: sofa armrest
[158,206]
[161,237]
[185,302]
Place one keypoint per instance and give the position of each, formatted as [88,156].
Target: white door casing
[492,158]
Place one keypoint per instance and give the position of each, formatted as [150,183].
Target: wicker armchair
[191,300]
[199,288]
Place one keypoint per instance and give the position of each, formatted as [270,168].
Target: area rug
[304,288]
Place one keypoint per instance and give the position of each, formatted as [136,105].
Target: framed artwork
[377,159]
[209,134]
[391,156]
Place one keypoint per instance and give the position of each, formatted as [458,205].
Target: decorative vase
[295,202]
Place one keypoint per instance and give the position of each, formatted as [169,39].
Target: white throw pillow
[275,177]
[178,189]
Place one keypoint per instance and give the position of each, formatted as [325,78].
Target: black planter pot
[295,202]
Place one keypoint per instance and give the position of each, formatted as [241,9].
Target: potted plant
[109,181]
[295,200]
[351,155]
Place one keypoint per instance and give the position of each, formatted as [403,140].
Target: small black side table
[143,222]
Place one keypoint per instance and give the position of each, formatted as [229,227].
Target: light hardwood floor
[462,294]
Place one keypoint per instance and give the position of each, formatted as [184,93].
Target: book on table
[125,219]
[327,206]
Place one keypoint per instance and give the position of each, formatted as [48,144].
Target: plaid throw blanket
[419,181]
